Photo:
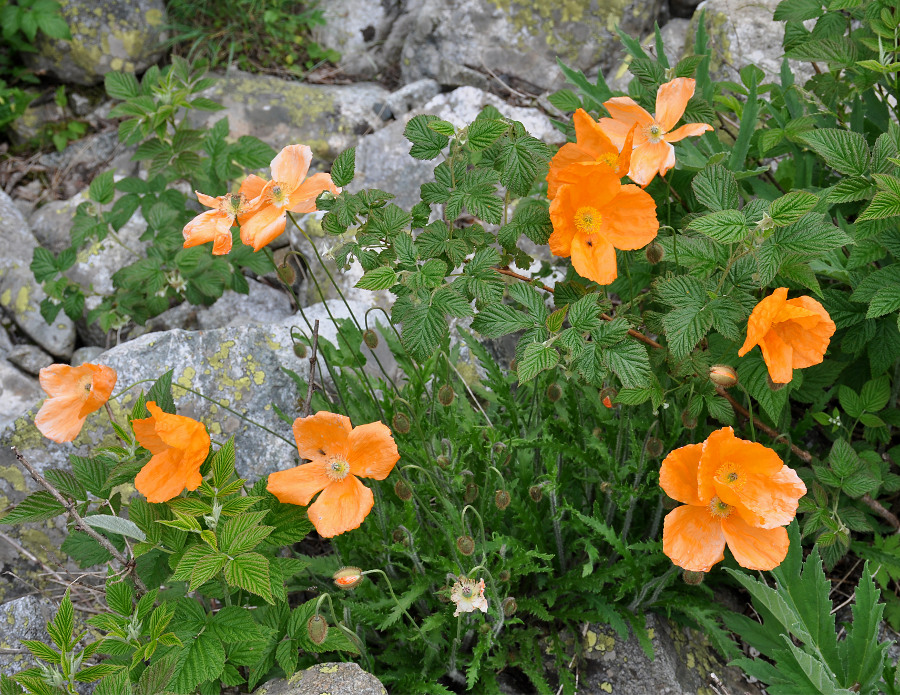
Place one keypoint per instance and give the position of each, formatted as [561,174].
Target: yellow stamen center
[337,468]
[609,159]
[731,474]
[587,220]
[279,194]
[233,203]
[719,509]
[655,132]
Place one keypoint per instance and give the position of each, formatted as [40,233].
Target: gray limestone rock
[107,36]
[20,294]
[461,42]
[86,354]
[413,96]
[328,118]
[18,393]
[674,34]
[334,679]
[29,358]
[358,29]
[22,618]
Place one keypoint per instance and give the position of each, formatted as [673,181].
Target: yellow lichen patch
[259,377]
[330,668]
[651,633]
[606,687]
[14,476]
[153,17]
[22,300]
[186,380]
[218,358]
[6,297]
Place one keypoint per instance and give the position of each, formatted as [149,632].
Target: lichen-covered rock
[383,160]
[18,392]
[741,33]
[107,36]
[674,34]
[333,679]
[22,618]
[20,294]
[459,42]
[357,29]
[86,354]
[328,118]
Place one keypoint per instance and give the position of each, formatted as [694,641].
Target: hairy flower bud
[446,394]
[503,576]
[608,395]
[688,420]
[465,545]
[471,493]
[348,577]
[509,606]
[693,578]
[654,253]
[370,338]
[654,447]
[286,273]
[317,629]
[536,493]
[399,536]
[443,461]
[554,392]
[400,423]
[401,489]
[723,375]
[501,499]
[300,350]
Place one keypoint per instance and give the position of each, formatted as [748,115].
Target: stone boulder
[335,679]
[460,42]
[18,393]
[22,618]
[20,294]
[107,36]
[328,118]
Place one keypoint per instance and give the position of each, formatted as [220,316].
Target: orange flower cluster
[260,207]
[75,393]
[735,493]
[339,455]
[792,333]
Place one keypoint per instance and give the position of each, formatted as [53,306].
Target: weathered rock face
[20,295]
[453,40]
[326,678]
[22,618]
[29,358]
[107,35]
[18,393]
[357,29]
[328,118]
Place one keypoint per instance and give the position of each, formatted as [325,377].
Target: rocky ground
[399,58]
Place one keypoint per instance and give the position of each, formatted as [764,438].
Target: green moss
[13,475]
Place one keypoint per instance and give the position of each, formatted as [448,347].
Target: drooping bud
[654,253]
[498,448]
[723,375]
[465,545]
[536,493]
[443,461]
[370,338]
[501,499]
[446,394]
[300,350]
[688,420]
[503,576]
[554,392]
[317,629]
[399,536]
[693,578]
[510,606]
[348,577]
[401,489]
[773,386]
[400,423]
[608,395]
[286,273]
[654,447]
[471,493]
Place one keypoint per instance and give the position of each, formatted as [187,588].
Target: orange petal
[809,337]
[626,110]
[755,548]
[208,200]
[766,501]
[102,384]
[322,435]
[373,451]
[671,101]
[58,418]
[678,474]
[779,358]
[721,448]
[594,258]
[570,153]
[303,198]
[165,476]
[693,538]
[202,229]
[761,319]
[252,187]
[687,130]
[563,226]
[624,162]
[341,507]
[650,158]
[63,380]
[291,165]
[297,485]
[629,220]
[263,226]
[617,131]
[590,136]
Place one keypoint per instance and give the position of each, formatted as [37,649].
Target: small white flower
[468,595]
[665,406]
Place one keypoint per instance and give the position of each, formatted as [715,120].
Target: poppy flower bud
[536,493]
[513,365]
[608,395]
[689,421]
[654,447]
[286,274]
[317,629]
[400,423]
[465,545]
[446,394]
[498,448]
[370,338]
[503,576]
[723,375]
[484,628]
[348,577]
[693,578]
[471,493]
[553,392]
[510,606]
[399,536]
[443,461]
[401,489]
[654,253]
[501,499]
[300,350]
[774,386]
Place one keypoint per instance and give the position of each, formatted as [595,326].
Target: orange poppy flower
[591,145]
[594,215]
[339,455]
[735,493]
[215,225]
[75,393]
[288,192]
[792,333]
[652,149]
[179,446]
